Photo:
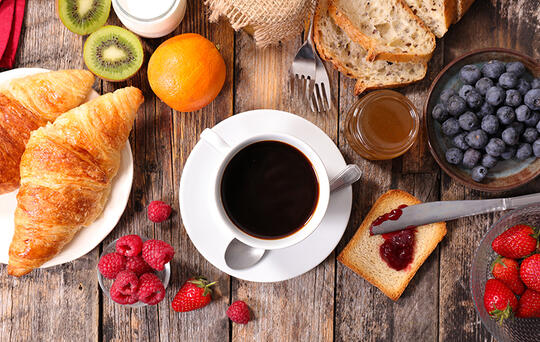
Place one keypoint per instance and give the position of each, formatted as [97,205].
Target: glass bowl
[514,329]
[106,284]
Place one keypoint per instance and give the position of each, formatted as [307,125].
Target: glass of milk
[150,18]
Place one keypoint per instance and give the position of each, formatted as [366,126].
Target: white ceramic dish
[201,220]
[89,237]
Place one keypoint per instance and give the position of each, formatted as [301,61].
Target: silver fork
[321,99]
[303,69]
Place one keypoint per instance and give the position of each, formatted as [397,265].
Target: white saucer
[89,237]
[211,240]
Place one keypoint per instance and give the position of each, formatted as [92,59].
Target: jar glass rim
[133,17]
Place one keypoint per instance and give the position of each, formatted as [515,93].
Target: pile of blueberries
[495,115]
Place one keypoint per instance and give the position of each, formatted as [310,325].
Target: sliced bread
[436,14]
[349,57]
[362,253]
[388,29]
[462,7]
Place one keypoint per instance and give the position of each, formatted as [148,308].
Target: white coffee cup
[229,151]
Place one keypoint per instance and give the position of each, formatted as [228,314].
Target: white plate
[89,237]
[211,240]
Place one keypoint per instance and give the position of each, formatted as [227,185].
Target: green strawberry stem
[501,315]
[498,260]
[202,282]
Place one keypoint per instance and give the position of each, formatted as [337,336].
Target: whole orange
[186,72]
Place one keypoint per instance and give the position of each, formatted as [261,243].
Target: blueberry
[535,84]
[479,173]
[446,94]
[523,113]
[471,157]
[459,141]
[515,67]
[456,105]
[513,98]
[493,69]
[536,148]
[518,126]
[470,74]
[490,124]
[508,80]
[468,121]
[495,147]
[474,99]
[508,153]
[495,95]
[439,113]
[533,120]
[450,127]
[489,161]
[506,115]
[530,135]
[510,136]
[465,90]
[538,126]
[483,84]
[454,156]
[524,151]
[523,86]
[477,139]
[485,109]
[532,99]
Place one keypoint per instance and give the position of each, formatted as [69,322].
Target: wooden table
[328,303]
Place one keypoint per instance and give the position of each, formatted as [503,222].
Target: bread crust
[392,198]
[461,8]
[370,44]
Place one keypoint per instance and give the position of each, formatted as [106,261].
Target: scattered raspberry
[110,264]
[158,211]
[157,253]
[151,289]
[238,312]
[138,265]
[125,287]
[129,245]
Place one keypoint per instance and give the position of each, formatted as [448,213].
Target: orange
[186,72]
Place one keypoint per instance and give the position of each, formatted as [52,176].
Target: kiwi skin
[71,23]
[120,34]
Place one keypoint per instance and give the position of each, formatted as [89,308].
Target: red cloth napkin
[13,34]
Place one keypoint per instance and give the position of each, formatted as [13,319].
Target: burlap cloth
[272,21]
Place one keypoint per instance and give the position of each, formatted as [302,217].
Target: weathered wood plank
[59,302]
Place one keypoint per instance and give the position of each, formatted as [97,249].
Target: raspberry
[151,289]
[238,312]
[158,211]
[129,245]
[138,265]
[110,264]
[125,287]
[157,253]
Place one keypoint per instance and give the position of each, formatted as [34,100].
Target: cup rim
[318,213]
[165,14]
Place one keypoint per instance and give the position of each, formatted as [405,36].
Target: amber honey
[382,125]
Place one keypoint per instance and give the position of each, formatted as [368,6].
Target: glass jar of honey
[382,125]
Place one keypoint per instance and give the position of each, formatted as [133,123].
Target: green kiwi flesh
[83,16]
[113,53]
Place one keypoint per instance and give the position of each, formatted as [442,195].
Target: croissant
[66,174]
[30,102]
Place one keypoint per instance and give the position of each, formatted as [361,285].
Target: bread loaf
[436,14]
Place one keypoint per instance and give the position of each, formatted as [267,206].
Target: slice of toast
[362,253]
[349,57]
[388,29]
[436,14]
[462,7]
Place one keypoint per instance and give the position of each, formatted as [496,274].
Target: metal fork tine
[327,96]
[310,99]
[316,98]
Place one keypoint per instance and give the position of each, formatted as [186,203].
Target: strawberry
[516,242]
[530,272]
[499,300]
[507,271]
[194,294]
[529,304]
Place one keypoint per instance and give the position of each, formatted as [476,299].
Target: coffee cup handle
[217,142]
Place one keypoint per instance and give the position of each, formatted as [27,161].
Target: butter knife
[426,213]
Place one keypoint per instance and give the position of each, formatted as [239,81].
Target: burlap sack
[272,21]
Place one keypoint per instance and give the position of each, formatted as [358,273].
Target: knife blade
[426,213]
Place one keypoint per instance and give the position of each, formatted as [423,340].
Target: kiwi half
[113,53]
[83,16]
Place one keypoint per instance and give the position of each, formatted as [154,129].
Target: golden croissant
[29,103]
[66,175]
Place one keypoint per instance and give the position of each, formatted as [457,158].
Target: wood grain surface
[329,303]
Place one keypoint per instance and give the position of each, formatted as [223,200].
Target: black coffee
[269,189]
